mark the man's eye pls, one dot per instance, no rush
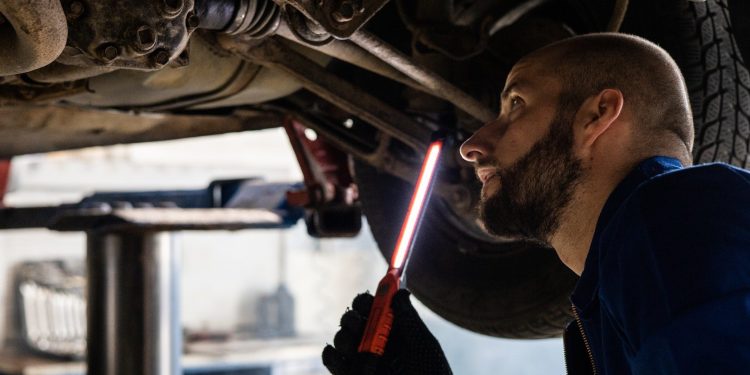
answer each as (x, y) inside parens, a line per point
(515, 102)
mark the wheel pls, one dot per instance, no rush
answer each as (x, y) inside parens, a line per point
(521, 289)
(700, 38)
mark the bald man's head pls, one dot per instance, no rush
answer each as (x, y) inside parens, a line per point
(653, 88)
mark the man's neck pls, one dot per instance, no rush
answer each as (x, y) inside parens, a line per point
(572, 240)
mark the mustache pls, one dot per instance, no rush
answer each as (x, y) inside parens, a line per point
(486, 164)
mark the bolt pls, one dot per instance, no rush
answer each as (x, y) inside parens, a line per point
(145, 38)
(347, 10)
(161, 57)
(358, 7)
(109, 52)
(26, 93)
(75, 10)
(344, 13)
(193, 21)
(173, 6)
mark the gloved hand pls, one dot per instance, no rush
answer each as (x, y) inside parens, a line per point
(411, 348)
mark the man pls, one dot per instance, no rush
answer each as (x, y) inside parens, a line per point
(589, 155)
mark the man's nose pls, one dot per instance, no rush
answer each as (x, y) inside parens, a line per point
(473, 149)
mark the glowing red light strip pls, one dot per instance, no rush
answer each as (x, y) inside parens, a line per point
(415, 207)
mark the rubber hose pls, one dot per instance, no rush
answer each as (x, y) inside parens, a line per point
(33, 35)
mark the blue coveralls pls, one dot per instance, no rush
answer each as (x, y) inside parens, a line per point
(666, 284)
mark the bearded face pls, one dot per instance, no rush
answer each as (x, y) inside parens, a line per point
(536, 189)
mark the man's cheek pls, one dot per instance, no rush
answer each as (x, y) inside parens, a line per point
(512, 148)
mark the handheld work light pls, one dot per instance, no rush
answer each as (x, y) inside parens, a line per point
(381, 315)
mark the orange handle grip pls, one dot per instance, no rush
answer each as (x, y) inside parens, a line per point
(380, 320)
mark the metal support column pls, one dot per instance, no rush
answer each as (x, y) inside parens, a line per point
(132, 258)
(133, 303)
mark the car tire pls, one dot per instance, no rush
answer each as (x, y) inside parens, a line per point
(699, 36)
(521, 289)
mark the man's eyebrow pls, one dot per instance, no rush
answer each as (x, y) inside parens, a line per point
(512, 87)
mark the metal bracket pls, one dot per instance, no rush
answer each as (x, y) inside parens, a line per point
(142, 35)
(330, 196)
(345, 95)
(341, 18)
(230, 204)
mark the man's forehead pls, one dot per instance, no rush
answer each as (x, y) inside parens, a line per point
(529, 73)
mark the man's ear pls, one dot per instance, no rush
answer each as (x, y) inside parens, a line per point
(596, 115)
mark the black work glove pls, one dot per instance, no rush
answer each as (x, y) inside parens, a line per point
(411, 348)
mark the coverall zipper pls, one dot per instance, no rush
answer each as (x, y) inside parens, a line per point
(585, 339)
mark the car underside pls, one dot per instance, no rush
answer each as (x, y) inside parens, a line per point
(374, 79)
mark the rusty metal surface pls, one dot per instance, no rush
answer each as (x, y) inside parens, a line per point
(23, 95)
(438, 85)
(58, 73)
(30, 129)
(130, 34)
(38, 35)
(215, 78)
(353, 54)
(328, 86)
(341, 18)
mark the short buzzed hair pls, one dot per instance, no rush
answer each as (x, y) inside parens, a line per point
(647, 76)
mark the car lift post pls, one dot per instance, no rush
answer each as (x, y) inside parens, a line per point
(133, 320)
(133, 302)
(132, 259)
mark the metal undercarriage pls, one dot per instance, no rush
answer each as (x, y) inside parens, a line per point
(374, 79)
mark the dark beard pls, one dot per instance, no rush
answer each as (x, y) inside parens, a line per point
(536, 189)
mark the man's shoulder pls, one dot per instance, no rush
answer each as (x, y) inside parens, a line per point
(692, 189)
(680, 239)
(705, 201)
(695, 176)
(679, 200)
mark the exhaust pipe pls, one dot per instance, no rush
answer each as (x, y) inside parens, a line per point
(32, 35)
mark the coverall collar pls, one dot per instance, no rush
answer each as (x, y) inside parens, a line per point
(587, 285)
